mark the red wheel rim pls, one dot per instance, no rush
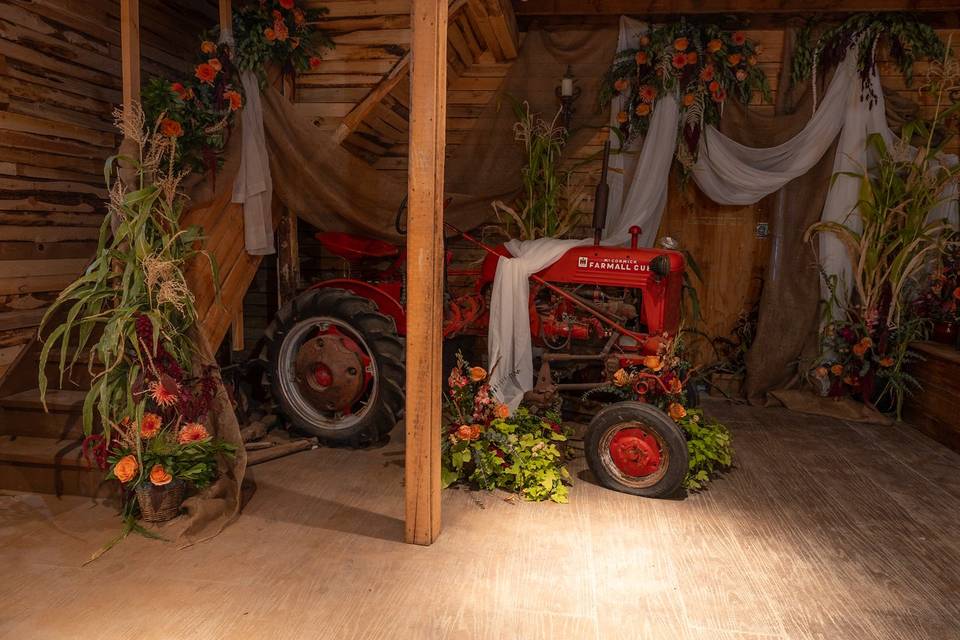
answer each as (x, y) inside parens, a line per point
(635, 452)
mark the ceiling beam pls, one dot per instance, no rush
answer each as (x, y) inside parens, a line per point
(524, 8)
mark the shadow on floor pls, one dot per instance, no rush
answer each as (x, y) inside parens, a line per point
(291, 506)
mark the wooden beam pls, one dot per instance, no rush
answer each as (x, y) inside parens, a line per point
(236, 331)
(428, 88)
(130, 50)
(398, 73)
(674, 7)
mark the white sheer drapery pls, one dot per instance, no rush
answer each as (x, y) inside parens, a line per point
(253, 186)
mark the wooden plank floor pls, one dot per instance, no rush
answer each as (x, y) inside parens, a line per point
(825, 530)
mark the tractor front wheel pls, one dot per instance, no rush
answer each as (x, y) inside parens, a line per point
(336, 367)
(635, 448)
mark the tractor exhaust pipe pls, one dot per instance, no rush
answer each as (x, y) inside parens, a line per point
(600, 197)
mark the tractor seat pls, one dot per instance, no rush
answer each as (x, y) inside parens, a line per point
(353, 247)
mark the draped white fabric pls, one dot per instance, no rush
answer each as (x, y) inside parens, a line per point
(253, 186)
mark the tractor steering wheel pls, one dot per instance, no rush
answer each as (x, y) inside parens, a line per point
(402, 209)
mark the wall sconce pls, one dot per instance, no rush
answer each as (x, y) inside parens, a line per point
(566, 94)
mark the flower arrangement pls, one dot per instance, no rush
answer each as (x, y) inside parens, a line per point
(661, 380)
(132, 311)
(701, 65)
(486, 446)
(940, 299)
(198, 110)
(907, 38)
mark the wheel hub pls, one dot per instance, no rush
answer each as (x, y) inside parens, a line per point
(332, 370)
(635, 452)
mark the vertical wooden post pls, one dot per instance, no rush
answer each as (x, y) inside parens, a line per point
(428, 109)
(130, 51)
(236, 331)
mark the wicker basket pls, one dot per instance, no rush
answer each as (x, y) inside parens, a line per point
(159, 504)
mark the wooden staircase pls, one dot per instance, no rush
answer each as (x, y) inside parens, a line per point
(42, 451)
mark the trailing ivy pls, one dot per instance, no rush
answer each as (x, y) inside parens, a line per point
(908, 39)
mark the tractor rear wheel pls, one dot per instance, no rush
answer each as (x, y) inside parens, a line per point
(336, 367)
(635, 448)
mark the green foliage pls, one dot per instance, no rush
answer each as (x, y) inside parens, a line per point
(192, 461)
(710, 448)
(523, 454)
(549, 205)
(907, 37)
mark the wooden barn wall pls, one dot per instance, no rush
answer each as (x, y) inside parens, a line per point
(59, 82)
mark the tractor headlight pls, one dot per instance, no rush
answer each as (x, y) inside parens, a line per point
(660, 266)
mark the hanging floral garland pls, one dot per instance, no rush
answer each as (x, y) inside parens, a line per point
(908, 40)
(701, 64)
(198, 110)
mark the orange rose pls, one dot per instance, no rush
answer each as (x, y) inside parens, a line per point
(675, 385)
(836, 369)
(234, 98)
(314, 62)
(859, 349)
(150, 426)
(126, 468)
(739, 38)
(734, 59)
(714, 45)
(269, 34)
(867, 342)
(688, 99)
(642, 57)
(215, 63)
(820, 372)
(692, 57)
(622, 117)
(468, 432)
(205, 73)
(477, 374)
(621, 84)
(170, 128)
(887, 362)
(621, 378)
(681, 44)
(159, 476)
(676, 411)
(501, 411)
(643, 109)
(654, 363)
(208, 47)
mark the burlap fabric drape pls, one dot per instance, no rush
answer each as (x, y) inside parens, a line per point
(334, 190)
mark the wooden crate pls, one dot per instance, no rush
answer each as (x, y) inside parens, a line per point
(933, 410)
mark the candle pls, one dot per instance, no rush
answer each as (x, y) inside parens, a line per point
(566, 87)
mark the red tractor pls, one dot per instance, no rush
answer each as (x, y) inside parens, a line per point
(336, 352)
